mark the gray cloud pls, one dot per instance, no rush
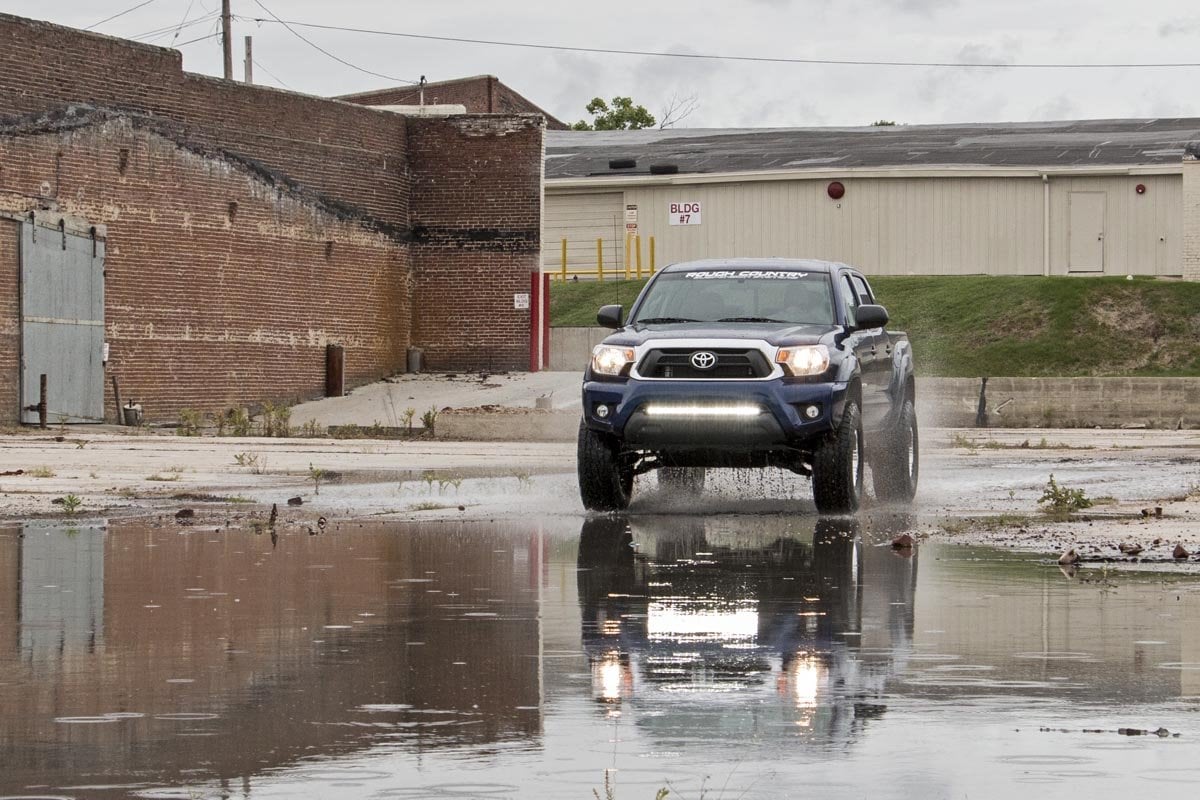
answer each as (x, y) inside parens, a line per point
(1179, 27)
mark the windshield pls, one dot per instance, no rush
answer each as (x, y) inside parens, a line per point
(738, 296)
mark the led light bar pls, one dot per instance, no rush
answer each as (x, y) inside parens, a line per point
(693, 410)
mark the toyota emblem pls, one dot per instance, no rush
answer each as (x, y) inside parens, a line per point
(704, 360)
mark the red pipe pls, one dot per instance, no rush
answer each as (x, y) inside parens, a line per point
(546, 321)
(535, 323)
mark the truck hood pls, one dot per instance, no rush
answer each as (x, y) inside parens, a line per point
(771, 332)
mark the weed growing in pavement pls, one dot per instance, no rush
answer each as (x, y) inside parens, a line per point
(524, 479)
(430, 478)
(276, 420)
(40, 472)
(450, 479)
(408, 415)
(190, 422)
(166, 477)
(315, 474)
(312, 430)
(429, 419)
(245, 459)
(71, 504)
(1062, 501)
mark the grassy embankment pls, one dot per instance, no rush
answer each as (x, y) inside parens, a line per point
(1001, 326)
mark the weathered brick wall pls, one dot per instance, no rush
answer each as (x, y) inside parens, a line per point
(1191, 215)
(476, 218)
(351, 154)
(185, 288)
(211, 304)
(482, 94)
(10, 319)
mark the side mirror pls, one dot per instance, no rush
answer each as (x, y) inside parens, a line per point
(610, 316)
(870, 316)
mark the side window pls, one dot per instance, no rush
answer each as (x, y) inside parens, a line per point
(862, 290)
(849, 300)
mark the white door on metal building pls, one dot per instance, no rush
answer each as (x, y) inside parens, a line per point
(62, 324)
(581, 219)
(1086, 232)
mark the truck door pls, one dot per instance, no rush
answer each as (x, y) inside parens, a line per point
(872, 349)
(864, 346)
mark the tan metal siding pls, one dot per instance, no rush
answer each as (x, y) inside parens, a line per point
(897, 226)
(582, 218)
(1142, 232)
(886, 226)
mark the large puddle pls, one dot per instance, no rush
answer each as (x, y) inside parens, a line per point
(724, 657)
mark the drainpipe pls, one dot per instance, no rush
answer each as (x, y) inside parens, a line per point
(1045, 225)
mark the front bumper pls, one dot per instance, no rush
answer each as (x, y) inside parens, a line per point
(780, 422)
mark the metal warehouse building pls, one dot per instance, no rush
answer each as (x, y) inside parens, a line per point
(1052, 198)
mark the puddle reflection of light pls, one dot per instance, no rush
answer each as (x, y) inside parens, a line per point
(676, 622)
(808, 673)
(611, 677)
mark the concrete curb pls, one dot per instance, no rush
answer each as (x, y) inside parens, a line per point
(507, 424)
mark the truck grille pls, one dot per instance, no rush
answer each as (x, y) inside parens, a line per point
(730, 364)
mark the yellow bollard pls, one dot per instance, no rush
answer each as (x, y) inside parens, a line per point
(628, 242)
(638, 243)
(600, 260)
(652, 256)
(564, 260)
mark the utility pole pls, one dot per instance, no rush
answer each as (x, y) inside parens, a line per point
(227, 38)
(422, 89)
(249, 65)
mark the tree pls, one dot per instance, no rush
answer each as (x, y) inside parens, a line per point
(623, 115)
(883, 123)
(677, 109)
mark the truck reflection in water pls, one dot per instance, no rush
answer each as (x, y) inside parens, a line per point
(802, 630)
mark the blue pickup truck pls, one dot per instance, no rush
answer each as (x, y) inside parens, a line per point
(748, 363)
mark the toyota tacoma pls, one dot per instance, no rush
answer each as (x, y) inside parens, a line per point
(747, 363)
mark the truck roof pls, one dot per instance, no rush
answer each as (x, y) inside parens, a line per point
(774, 264)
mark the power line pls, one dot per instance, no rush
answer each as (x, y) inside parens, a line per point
(753, 59)
(119, 14)
(158, 33)
(193, 41)
(316, 46)
(272, 74)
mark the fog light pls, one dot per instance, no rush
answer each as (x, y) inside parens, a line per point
(812, 412)
(602, 411)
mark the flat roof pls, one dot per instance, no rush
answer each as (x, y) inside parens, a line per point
(1072, 143)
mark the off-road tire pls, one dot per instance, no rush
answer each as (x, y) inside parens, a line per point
(837, 466)
(895, 469)
(681, 480)
(604, 483)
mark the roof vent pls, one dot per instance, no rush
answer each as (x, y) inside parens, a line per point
(664, 169)
(622, 163)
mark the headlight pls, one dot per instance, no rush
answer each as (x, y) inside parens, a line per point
(607, 360)
(810, 359)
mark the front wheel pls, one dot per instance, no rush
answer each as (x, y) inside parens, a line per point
(604, 483)
(895, 470)
(837, 466)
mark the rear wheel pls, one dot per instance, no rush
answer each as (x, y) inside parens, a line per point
(681, 480)
(894, 471)
(604, 483)
(837, 466)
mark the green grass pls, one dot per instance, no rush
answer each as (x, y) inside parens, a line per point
(1005, 326)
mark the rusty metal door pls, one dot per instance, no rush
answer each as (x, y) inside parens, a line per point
(62, 323)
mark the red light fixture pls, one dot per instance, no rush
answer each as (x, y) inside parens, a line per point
(835, 190)
(1140, 188)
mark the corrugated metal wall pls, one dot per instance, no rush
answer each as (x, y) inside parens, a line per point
(581, 219)
(893, 226)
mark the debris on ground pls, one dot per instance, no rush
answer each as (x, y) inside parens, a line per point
(903, 542)
(1069, 558)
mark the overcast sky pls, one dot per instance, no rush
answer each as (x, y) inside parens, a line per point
(729, 93)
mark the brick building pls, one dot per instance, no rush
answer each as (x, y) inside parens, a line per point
(480, 94)
(213, 237)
